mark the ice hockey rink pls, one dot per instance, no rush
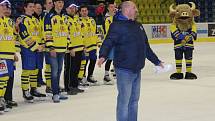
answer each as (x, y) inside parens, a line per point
(161, 98)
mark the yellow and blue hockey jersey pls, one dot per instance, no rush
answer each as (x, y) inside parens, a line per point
(108, 21)
(77, 43)
(7, 38)
(56, 32)
(183, 39)
(30, 32)
(88, 28)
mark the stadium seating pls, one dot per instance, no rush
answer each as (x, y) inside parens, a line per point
(155, 11)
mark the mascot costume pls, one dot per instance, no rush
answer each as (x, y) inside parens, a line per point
(184, 32)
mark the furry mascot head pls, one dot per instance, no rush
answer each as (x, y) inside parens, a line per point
(183, 32)
(183, 15)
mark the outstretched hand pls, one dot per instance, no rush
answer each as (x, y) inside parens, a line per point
(100, 62)
(161, 64)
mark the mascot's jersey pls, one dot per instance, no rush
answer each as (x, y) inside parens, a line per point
(30, 32)
(7, 38)
(183, 39)
(56, 32)
(88, 28)
(77, 43)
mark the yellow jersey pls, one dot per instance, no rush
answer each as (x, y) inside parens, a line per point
(7, 38)
(30, 32)
(56, 32)
(77, 43)
(88, 28)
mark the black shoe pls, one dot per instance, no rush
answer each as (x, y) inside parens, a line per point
(27, 96)
(12, 103)
(34, 92)
(39, 84)
(7, 108)
(72, 92)
(2, 105)
(177, 76)
(113, 72)
(83, 82)
(48, 90)
(1, 109)
(190, 75)
(91, 79)
(107, 78)
(79, 90)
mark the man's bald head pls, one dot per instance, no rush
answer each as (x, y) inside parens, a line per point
(129, 9)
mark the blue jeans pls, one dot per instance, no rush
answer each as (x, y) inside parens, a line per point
(128, 85)
(40, 59)
(56, 68)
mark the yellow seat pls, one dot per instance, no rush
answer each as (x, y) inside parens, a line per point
(152, 6)
(139, 19)
(151, 19)
(147, 6)
(168, 19)
(145, 20)
(162, 19)
(148, 12)
(143, 13)
(157, 19)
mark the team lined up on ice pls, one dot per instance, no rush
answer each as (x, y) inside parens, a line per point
(55, 37)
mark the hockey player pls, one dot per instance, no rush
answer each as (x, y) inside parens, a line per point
(73, 62)
(40, 55)
(9, 90)
(30, 37)
(108, 20)
(57, 39)
(91, 41)
(7, 52)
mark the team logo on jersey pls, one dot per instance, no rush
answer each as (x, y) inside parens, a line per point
(36, 29)
(36, 21)
(54, 21)
(33, 22)
(6, 31)
(82, 25)
(62, 28)
(75, 23)
(77, 29)
(88, 24)
(61, 22)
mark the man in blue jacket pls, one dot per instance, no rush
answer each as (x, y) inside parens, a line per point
(131, 45)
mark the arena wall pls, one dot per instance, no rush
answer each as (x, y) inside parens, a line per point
(160, 33)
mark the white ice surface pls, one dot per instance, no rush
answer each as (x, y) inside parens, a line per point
(161, 99)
